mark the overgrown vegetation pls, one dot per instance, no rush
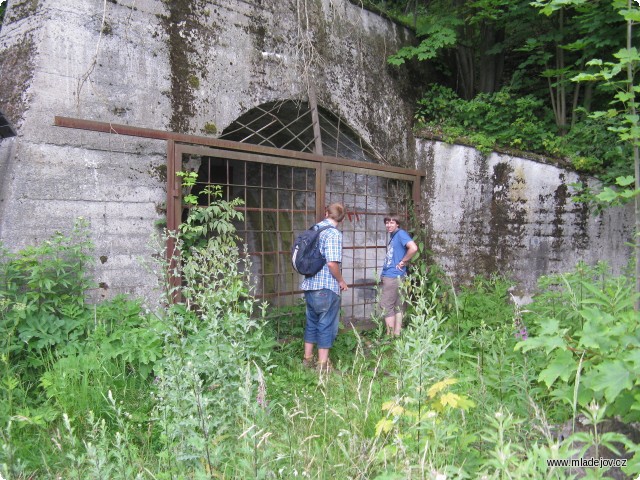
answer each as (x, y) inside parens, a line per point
(522, 123)
(556, 77)
(210, 388)
(526, 76)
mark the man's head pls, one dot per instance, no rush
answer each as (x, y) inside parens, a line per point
(335, 211)
(392, 217)
(392, 223)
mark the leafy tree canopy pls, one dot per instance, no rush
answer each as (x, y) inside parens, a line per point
(506, 74)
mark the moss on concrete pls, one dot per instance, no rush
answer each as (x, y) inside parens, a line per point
(22, 10)
(190, 35)
(16, 73)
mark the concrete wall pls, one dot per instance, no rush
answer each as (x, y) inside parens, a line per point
(176, 66)
(500, 213)
(184, 65)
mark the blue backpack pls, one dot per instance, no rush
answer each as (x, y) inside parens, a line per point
(305, 253)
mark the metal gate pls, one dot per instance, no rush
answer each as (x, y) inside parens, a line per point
(285, 195)
(285, 192)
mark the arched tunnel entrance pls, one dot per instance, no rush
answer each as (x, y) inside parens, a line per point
(285, 186)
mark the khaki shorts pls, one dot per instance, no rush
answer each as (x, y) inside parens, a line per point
(391, 301)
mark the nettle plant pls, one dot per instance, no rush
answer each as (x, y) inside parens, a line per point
(586, 325)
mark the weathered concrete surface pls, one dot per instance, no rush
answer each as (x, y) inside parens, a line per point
(512, 216)
(182, 65)
(170, 65)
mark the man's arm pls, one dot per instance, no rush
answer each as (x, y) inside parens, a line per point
(412, 248)
(334, 268)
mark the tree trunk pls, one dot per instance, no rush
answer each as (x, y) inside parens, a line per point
(490, 65)
(465, 72)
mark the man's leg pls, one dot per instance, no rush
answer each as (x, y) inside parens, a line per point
(391, 324)
(308, 350)
(398, 324)
(328, 309)
(310, 330)
(388, 301)
(323, 355)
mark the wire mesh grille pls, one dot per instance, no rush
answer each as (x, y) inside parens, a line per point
(281, 200)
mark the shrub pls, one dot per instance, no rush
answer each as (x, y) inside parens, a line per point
(586, 325)
(42, 296)
(501, 119)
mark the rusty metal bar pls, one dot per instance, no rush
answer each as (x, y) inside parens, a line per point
(128, 130)
(315, 120)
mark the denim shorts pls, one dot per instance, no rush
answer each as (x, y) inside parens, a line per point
(323, 312)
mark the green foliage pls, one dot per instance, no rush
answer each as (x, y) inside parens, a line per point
(494, 53)
(483, 330)
(435, 35)
(586, 325)
(216, 347)
(215, 219)
(597, 200)
(488, 121)
(594, 148)
(60, 354)
(201, 390)
(485, 301)
(42, 291)
(422, 344)
(622, 114)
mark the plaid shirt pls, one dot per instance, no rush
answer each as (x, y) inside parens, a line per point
(331, 250)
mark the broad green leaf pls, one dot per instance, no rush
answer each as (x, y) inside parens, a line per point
(592, 336)
(632, 358)
(610, 377)
(562, 365)
(607, 195)
(549, 327)
(631, 119)
(450, 399)
(440, 386)
(596, 62)
(629, 193)
(549, 344)
(383, 426)
(586, 77)
(631, 15)
(625, 181)
(627, 55)
(624, 96)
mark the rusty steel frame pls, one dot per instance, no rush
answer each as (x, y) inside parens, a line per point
(178, 144)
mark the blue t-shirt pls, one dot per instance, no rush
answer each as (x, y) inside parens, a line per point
(396, 249)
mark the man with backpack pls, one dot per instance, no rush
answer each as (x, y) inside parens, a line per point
(322, 292)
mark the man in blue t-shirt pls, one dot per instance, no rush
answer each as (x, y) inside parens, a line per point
(400, 249)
